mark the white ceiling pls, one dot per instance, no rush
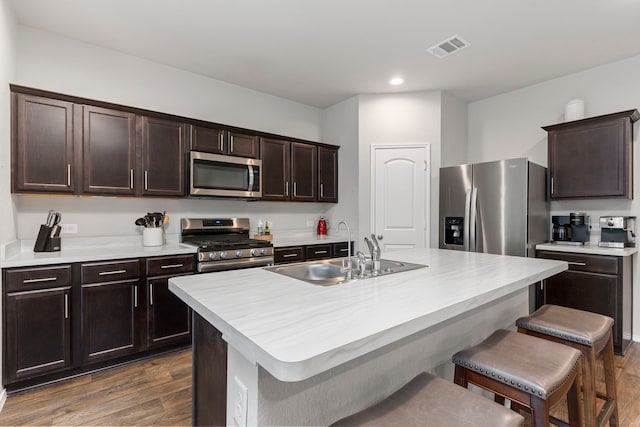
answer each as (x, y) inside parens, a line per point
(324, 51)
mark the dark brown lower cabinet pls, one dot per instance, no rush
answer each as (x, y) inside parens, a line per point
(597, 283)
(37, 332)
(109, 312)
(209, 374)
(168, 318)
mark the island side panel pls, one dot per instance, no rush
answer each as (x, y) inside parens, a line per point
(209, 374)
(355, 385)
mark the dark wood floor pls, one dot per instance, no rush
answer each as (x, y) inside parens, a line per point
(158, 392)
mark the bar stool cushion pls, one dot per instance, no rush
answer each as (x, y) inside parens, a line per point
(582, 327)
(533, 365)
(431, 401)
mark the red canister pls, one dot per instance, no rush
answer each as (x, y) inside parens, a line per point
(322, 227)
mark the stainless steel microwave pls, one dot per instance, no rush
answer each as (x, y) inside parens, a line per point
(224, 176)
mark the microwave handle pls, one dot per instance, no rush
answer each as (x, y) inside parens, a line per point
(250, 178)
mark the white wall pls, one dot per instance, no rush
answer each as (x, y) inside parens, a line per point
(397, 119)
(454, 131)
(509, 125)
(59, 64)
(340, 127)
(7, 74)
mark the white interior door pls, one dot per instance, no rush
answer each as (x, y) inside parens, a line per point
(400, 195)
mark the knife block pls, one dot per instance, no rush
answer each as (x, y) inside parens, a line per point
(44, 241)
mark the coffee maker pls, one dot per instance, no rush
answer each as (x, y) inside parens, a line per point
(572, 229)
(617, 231)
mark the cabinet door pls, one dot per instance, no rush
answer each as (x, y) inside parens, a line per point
(276, 169)
(38, 328)
(327, 175)
(108, 148)
(317, 252)
(42, 145)
(304, 172)
(163, 161)
(168, 318)
(109, 320)
(243, 145)
(288, 254)
(591, 160)
(208, 140)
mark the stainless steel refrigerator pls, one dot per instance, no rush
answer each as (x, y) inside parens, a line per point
(496, 207)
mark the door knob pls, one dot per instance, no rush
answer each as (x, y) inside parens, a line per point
(379, 236)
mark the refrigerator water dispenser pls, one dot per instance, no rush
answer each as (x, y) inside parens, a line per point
(453, 230)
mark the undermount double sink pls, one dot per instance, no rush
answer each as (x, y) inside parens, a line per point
(331, 271)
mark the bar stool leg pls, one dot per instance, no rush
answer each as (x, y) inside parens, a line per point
(589, 386)
(610, 379)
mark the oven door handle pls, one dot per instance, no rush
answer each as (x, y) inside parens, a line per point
(250, 178)
(232, 264)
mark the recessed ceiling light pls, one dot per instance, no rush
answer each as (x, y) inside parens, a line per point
(396, 81)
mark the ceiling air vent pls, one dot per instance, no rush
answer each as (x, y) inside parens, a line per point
(447, 47)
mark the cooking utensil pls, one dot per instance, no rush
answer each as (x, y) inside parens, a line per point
(141, 222)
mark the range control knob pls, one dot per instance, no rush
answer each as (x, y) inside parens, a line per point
(263, 251)
(212, 255)
(254, 252)
(238, 253)
(223, 254)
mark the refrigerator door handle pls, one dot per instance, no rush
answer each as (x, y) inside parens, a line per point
(473, 211)
(467, 217)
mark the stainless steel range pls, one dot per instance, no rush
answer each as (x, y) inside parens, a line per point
(224, 244)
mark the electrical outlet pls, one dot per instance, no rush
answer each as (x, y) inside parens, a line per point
(239, 394)
(69, 228)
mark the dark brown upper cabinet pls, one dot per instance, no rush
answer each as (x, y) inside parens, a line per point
(327, 174)
(108, 151)
(218, 141)
(592, 158)
(164, 143)
(289, 170)
(42, 145)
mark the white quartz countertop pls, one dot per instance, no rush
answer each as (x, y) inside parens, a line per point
(99, 249)
(296, 330)
(589, 248)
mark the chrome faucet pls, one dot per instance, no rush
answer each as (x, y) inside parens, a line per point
(362, 265)
(374, 248)
(347, 269)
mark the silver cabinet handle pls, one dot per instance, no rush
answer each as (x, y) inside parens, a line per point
(286, 188)
(135, 296)
(319, 252)
(230, 143)
(150, 293)
(552, 186)
(344, 250)
(576, 263)
(172, 266)
(220, 140)
(321, 190)
(68, 174)
(107, 273)
(44, 279)
(295, 189)
(289, 255)
(66, 306)
(146, 180)
(131, 178)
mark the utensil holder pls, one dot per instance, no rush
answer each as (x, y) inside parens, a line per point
(44, 241)
(153, 236)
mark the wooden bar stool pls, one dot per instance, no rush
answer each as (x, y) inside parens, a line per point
(430, 401)
(591, 333)
(529, 371)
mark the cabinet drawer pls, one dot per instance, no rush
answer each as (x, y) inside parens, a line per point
(160, 266)
(341, 249)
(37, 278)
(110, 271)
(318, 251)
(581, 262)
(288, 254)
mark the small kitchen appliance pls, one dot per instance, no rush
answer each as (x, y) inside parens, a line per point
(572, 229)
(322, 227)
(617, 231)
(224, 244)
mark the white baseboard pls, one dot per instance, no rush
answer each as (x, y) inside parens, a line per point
(3, 398)
(635, 338)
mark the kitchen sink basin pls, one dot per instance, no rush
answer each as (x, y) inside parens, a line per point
(331, 272)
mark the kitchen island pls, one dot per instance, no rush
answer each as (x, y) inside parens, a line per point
(310, 355)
